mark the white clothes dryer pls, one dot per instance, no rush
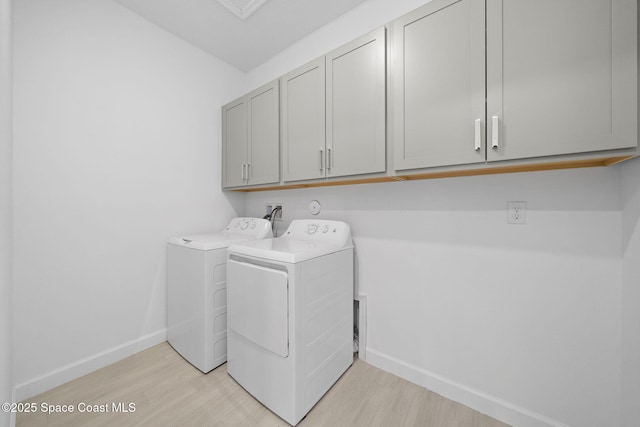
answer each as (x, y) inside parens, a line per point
(197, 290)
(290, 315)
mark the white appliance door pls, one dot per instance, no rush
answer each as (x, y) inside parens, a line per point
(257, 305)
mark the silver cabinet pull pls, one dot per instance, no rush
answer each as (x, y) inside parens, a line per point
(248, 171)
(322, 159)
(243, 165)
(495, 129)
(478, 134)
(329, 158)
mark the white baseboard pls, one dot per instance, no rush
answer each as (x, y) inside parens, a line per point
(481, 402)
(84, 366)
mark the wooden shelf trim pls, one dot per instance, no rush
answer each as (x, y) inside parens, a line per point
(570, 164)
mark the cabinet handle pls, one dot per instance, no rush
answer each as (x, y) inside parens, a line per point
(321, 159)
(495, 128)
(243, 165)
(478, 134)
(248, 171)
(329, 158)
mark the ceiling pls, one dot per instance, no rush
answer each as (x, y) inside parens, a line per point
(244, 44)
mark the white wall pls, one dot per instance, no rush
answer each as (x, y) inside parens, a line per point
(631, 293)
(6, 325)
(117, 147)
(520, 322)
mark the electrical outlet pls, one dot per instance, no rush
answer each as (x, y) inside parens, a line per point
(271, 207)
(517, 213)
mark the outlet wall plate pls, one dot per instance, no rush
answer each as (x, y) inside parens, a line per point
(516, 212)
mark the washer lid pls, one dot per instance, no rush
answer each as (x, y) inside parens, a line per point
(303, 240)
(207, 242)
(238, 230)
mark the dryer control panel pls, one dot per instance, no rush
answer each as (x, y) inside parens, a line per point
(334, 232)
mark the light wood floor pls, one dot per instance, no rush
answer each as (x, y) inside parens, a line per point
(168, 391)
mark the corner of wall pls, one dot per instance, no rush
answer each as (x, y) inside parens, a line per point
(84, 366)
(6, 207)
(630, 304)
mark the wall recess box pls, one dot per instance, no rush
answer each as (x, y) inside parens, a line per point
(271, 206)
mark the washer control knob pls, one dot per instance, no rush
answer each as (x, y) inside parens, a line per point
(325, 228)
(244, 225)
(312, 228)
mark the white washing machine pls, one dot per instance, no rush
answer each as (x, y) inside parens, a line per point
(197, 290)
(290, 315)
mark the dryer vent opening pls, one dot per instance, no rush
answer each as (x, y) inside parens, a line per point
(356, 332)
(360, 327)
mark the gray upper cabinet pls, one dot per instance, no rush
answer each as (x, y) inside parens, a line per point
(561, 77)
(333, 118)
(439, 85)
(303, 122)
(356, 99)
(264, 134)
(474, 85)
(303, 115)
(234, 143)
(250, 138)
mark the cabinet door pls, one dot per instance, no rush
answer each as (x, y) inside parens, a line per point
(438, 72)
(234, 143)
(264, 136)
(355, 133)
(303, 122)
(561, 76)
